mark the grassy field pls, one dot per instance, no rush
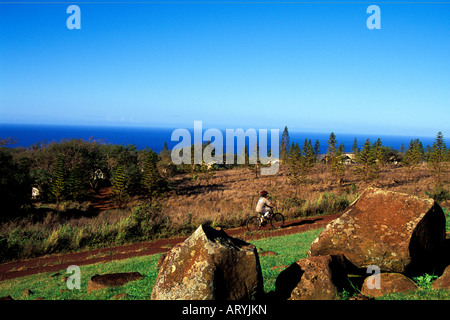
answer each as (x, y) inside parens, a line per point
(225, 198)
(52, 286)
(288, 249)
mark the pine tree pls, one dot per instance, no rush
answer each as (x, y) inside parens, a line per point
(119, 191)
(438, 156)
(337, 167)
(317, 149)
(331, 150)
(296, 163)
(151, 179)
(254, 160)
(75, 184)
(165, 153)
(58, 184)
(309, 153)
(245, 155)
(355, 147)
(412, 156)
(284, 145)
(378, 151)
(368, 168)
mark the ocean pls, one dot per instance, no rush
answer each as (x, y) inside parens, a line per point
(28, 134)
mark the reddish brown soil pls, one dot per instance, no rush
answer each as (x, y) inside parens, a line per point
(58, 262)
(102, 200)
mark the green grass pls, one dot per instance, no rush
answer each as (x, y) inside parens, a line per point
(424, 291)
(447, 220)
(289, 249)
(53, 287)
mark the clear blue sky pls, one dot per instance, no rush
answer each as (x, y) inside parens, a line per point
(312, 67)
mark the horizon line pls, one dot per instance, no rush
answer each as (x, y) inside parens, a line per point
(221, 128)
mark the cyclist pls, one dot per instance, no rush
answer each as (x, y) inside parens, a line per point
(264, 206)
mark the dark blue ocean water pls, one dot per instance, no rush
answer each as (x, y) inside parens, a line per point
(154, 138)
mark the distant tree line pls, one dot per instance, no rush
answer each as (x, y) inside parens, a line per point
(69, 169)
(366, 161)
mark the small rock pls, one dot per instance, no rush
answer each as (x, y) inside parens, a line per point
(389, 283)
(27, 292)
(443, 282)
(98, 282)
(120, 296)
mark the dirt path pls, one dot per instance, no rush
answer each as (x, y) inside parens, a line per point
(102, 201)
(58, 262)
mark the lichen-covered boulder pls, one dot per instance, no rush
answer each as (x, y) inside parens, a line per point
(209, 265)
(313, 278)
(394, 231)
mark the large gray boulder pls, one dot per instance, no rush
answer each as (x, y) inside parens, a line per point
(209, 265)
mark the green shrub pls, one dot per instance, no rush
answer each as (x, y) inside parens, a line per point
(439, 193)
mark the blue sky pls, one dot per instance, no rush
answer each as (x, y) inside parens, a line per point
(314, 67)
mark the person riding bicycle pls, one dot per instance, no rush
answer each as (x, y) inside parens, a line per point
(264, 206)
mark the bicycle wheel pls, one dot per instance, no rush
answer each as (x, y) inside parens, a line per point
(277, 220)
(253, 223)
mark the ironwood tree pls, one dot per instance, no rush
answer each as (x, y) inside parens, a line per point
(367, 168)
(378, 151)
(337, 166)
(355, 148)
(317, 149)
(58, 183)
(296, 165)
(151, 179)
(438, 156)
(75, 184)
(119, 187)
(331, 149)
(284, 145)
(413, 155)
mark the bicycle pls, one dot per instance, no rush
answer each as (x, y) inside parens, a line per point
(254, 223)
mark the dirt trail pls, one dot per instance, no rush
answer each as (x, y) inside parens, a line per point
(58, 262)
(102, 201)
